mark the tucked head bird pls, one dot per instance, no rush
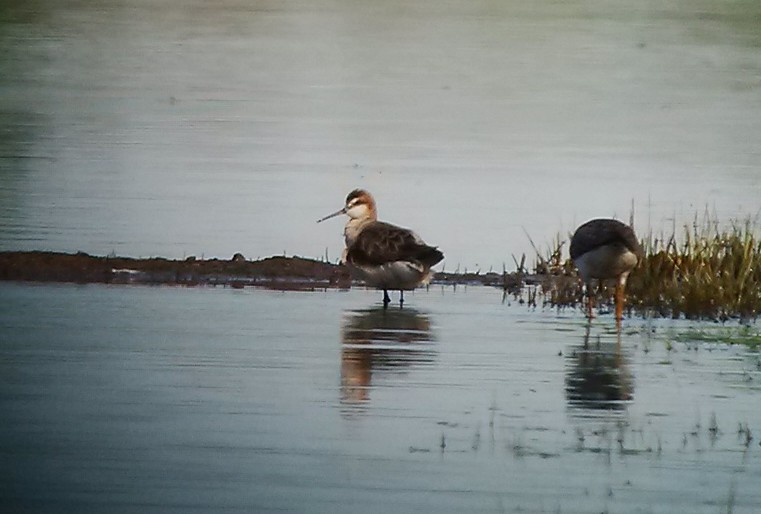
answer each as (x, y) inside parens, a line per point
(383, 255)
(605, 249)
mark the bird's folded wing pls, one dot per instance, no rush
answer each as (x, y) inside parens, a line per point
(381, 242)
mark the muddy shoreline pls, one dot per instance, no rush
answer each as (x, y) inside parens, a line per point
(278, 272)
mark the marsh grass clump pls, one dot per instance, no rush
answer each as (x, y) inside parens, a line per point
(711, 273)
(702, 272)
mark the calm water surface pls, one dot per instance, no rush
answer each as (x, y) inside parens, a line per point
(182, 127)
(141, 399)
(187, 127)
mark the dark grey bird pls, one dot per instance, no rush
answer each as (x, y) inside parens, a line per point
(605, 249)
(381, 254)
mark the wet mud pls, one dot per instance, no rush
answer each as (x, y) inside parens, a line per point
(279, 272)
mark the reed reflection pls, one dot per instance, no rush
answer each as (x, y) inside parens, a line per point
(380, 341)
(598, 374)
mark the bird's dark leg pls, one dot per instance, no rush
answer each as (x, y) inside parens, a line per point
(401, 298)
(386, 299)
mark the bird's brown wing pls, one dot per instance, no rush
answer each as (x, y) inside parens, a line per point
(381, 242)
(600, 232)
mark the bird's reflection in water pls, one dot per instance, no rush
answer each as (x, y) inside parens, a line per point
(598, 375)
(381, 340)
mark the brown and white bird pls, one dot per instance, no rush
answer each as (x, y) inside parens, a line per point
(383, 255)
(605, 249)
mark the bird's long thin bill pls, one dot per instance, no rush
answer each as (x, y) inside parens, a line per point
(342, 211)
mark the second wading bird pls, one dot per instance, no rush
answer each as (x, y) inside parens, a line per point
(605, 249)
(384, 256)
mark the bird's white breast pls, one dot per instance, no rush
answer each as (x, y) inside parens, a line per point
(605, 262)
(393, 275)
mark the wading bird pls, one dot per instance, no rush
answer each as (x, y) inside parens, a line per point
(384, 256)
(605, 249)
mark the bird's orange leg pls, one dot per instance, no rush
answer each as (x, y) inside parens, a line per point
(620, 301)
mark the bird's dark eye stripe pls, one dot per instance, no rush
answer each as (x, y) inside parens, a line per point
(353, 196)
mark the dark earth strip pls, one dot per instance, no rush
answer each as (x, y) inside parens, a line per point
(277, 272)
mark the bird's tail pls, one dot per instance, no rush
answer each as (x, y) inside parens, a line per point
(430, 255)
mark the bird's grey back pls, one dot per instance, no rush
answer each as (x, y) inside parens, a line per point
(600, 232)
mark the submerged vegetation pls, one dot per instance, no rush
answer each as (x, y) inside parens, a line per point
(704, 271)
(745, 335)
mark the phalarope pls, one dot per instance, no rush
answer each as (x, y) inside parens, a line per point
(383, 255)
(605, 249)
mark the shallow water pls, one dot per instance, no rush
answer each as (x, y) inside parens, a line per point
(187, 128)
(164, 399)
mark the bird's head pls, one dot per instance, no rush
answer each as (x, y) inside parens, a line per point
(359, 205)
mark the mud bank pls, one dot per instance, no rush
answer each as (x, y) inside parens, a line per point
(278, 272)
(275, 272)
